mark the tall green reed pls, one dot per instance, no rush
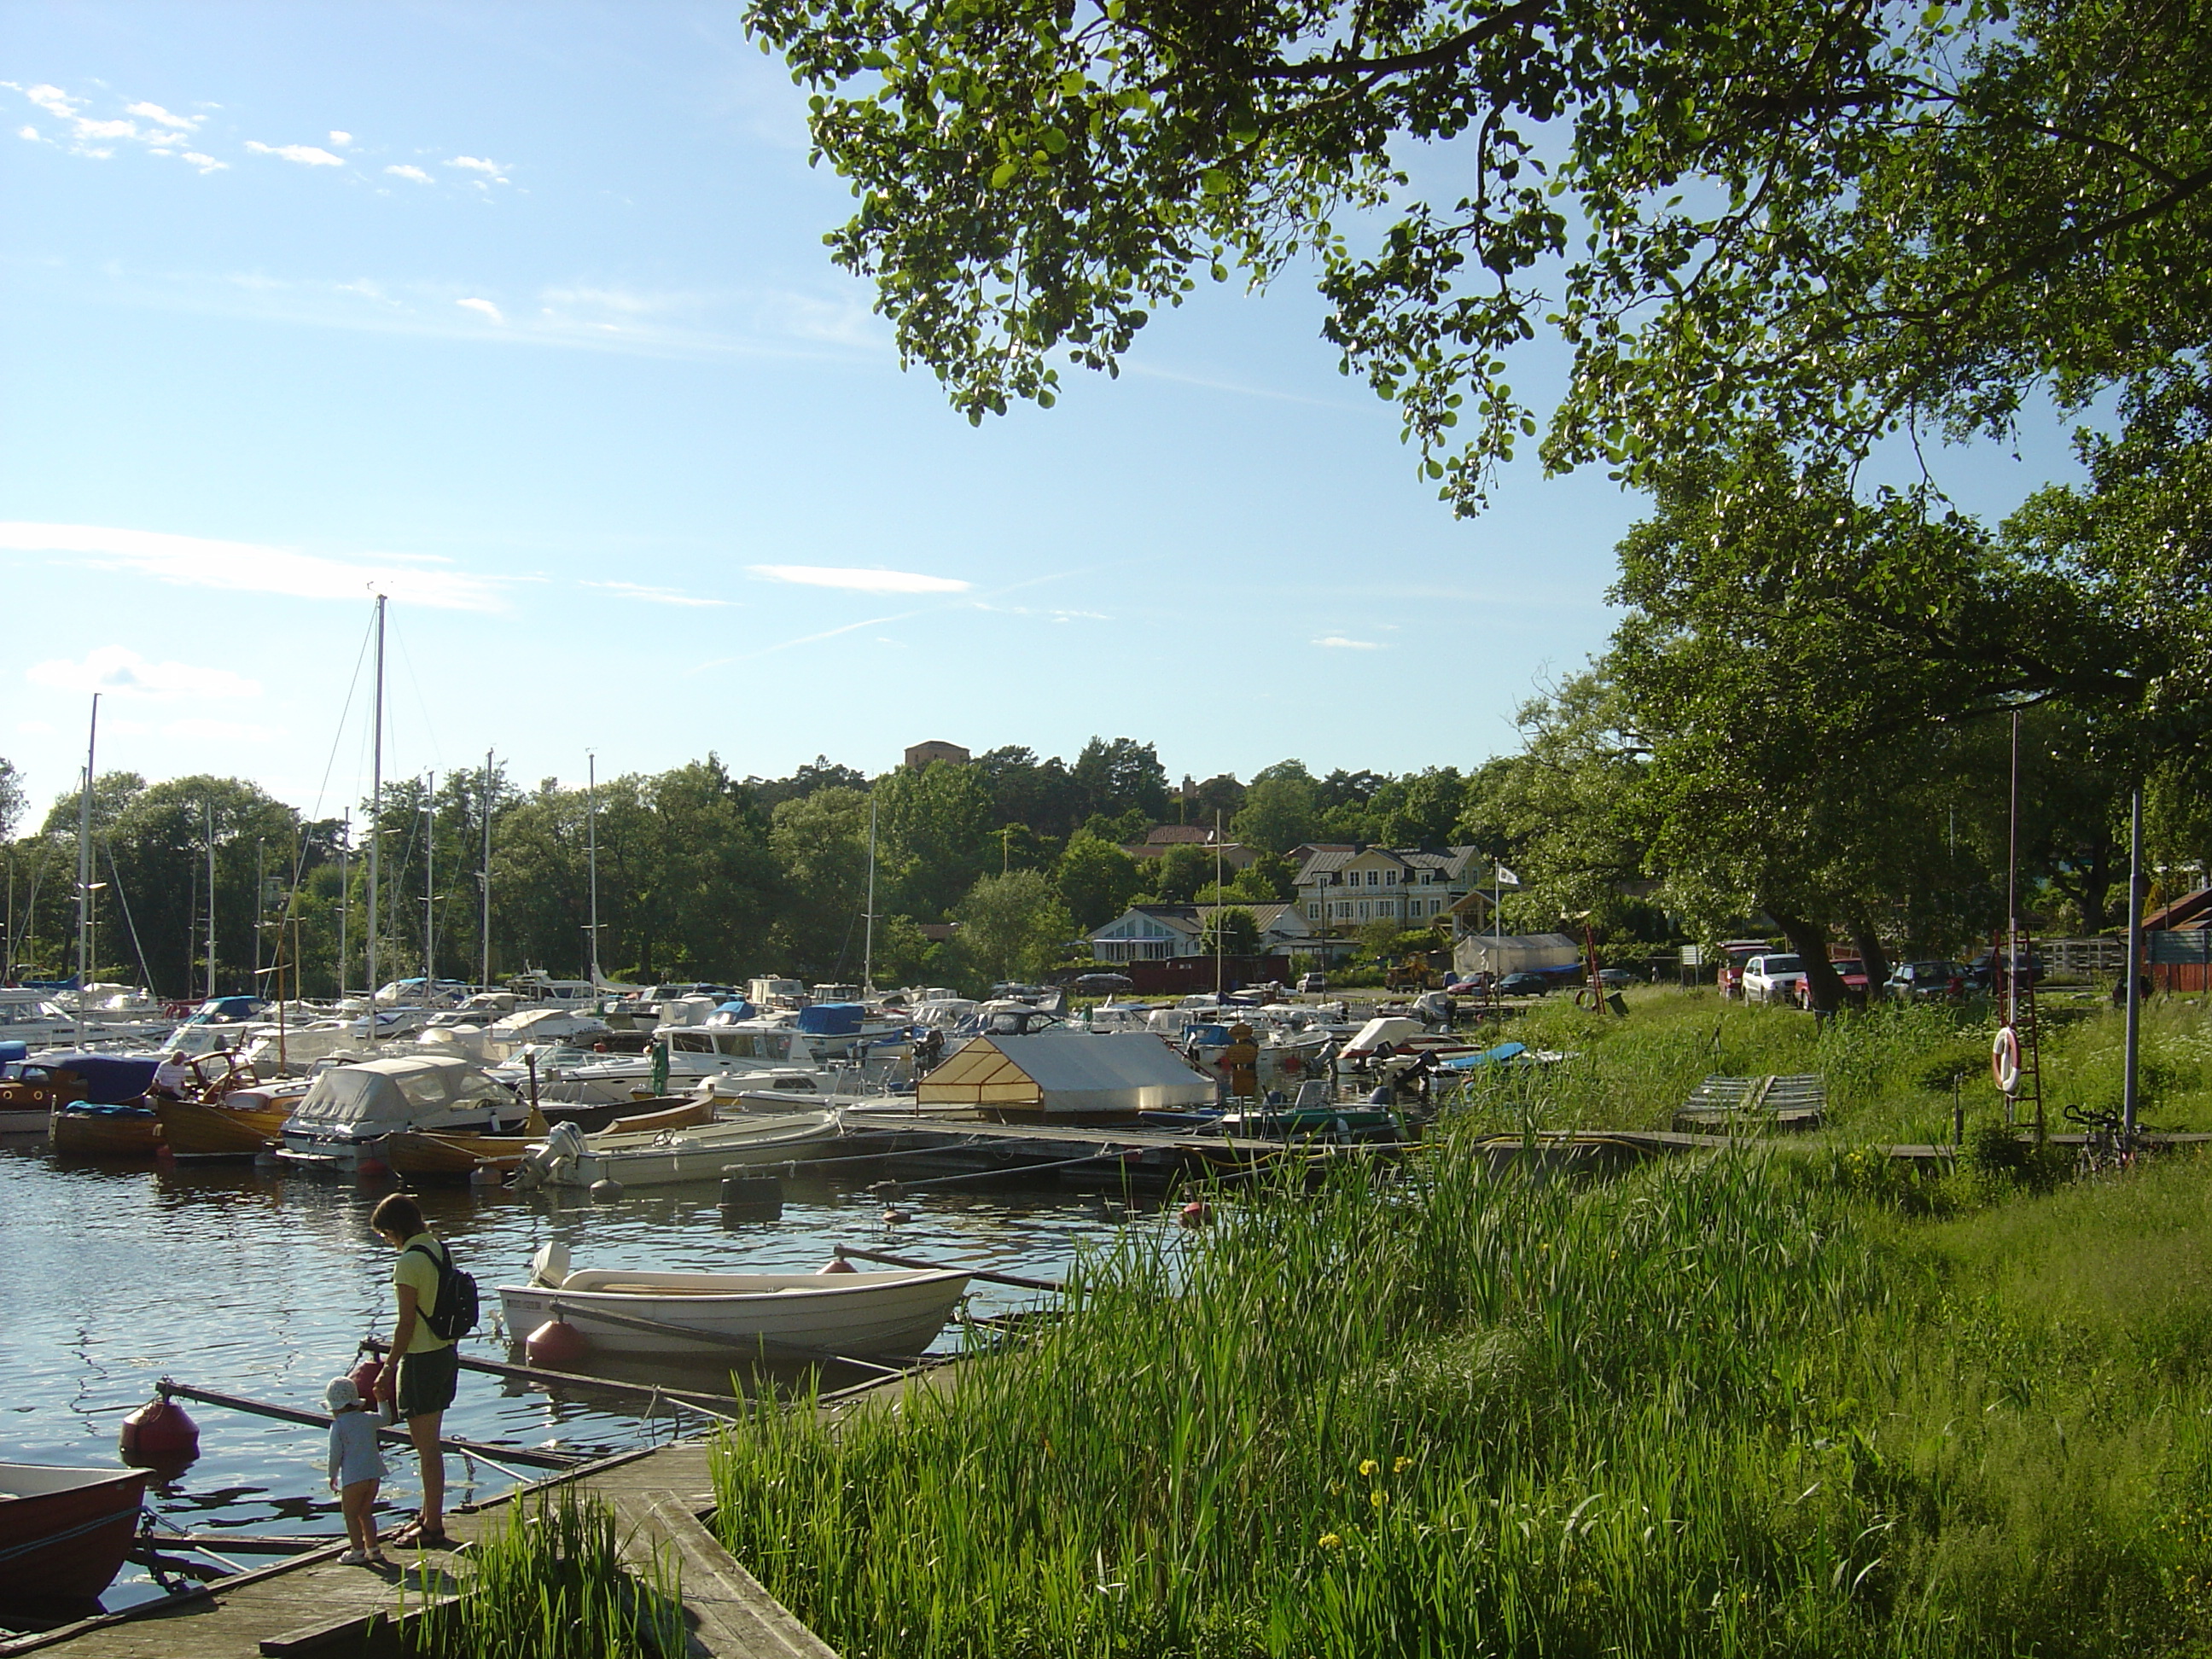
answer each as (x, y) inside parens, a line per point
(552, 1583)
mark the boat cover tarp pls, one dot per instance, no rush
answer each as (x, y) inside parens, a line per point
(391, 1093)
(1515, 953)
(1068, 1074)
(832, 1019)
(13, 1050)
(108, 1079)
(1393, 1029)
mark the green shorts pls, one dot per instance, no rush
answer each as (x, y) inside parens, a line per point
(427, 1380)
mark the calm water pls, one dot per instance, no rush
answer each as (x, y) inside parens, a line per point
(261, 1283)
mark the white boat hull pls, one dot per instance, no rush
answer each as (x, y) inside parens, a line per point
(862, 1315)
(672, 1156)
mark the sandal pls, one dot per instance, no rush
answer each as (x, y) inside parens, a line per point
(414, 1536)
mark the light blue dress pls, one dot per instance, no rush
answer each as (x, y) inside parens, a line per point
(354, 1454)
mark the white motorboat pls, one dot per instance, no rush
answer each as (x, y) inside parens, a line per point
(351, 1109)
(862, 1314)
(569, 1158)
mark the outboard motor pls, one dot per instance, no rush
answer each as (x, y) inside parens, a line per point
(541, 1163)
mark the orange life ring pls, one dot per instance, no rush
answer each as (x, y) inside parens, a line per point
(2004, 1059)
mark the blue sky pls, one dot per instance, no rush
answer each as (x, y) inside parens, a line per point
(522, 313)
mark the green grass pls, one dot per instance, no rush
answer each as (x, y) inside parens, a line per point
(551, 1584)
(1748, 1404)
(1889, 1069)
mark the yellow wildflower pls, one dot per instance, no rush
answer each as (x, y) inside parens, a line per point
(1329, 1540)
(1367, 1466)
(1375, 1498)
(1399, 1466)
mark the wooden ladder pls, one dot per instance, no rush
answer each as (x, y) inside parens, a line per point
(2027, 1029)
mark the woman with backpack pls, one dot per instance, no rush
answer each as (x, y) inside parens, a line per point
(427, 1364)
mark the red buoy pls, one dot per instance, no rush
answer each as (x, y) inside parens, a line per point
(556, 1344)
(366, 1377)
(836, 1264)
(159, 1432)
(1193, 1214)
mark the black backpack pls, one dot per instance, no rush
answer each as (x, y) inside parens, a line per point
(454, 1315)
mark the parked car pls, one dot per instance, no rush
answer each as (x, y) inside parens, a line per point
(1099, 985)
(1978, 971)
(1772, 978)
(1524, 985)
(1310, 983)
(1616, 978)
(1851, 971)
(1923, 981)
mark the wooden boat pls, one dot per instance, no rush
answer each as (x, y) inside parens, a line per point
(26, 1103)
(64, 1532)
(423, 1155)
(862, 1315)
(567, 1158)
(82, 1130)
(237, 1126)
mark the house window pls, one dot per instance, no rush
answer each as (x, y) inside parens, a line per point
(1389, 878)
(1373, 878)
(1363, 909)
(1313, 913)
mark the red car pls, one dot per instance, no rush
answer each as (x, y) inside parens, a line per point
(1851, 971)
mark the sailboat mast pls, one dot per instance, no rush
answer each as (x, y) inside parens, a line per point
(483, 929)
(210, 939)
(375, 813)
(84, 870)
(345, 897)
(868, 934)
(592, 851)
(1219, 912)
(430, 866)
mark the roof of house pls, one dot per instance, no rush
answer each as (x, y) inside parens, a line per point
(1452, 861)
(1160, 834)
(2190, 910)
(1193, 918)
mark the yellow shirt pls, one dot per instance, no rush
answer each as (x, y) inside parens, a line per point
(419, 1270)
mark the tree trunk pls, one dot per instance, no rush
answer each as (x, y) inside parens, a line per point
(1823, 987)
(1872, 957)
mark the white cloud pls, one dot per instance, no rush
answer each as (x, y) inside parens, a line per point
(119, 670)
(1338, 642)
(658, 595)
(245, 567)
(206, 163)
(341, 139)
(155, 113)
(492, 170)
(415, 173)
(484, 306)
(307, 155)
(860, 582)
(29, 132)
(53, 100)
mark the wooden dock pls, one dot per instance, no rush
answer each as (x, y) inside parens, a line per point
(311, 1605)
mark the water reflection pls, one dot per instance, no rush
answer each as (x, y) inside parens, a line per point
(262, 1283)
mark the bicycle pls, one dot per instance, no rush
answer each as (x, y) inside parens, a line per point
(2106, 1141)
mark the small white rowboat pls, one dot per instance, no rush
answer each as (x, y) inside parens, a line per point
(861, 1315)
(568, 1158)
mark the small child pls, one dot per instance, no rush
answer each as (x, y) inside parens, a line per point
(356, 1466)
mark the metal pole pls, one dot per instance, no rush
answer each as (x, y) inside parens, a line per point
(429, 870)
(592, 851)
(345, 897)
(1217, 912)
(868, 934)
(483, 926)
(2127, 1095)
(260, 907)
(210, 937)
(84, 868)
(375, 815)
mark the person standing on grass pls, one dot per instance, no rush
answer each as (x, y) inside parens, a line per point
(356, 1468)
(428, 1366)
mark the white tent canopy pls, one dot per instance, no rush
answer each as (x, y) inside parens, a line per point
(1067, 1075)
(1514, 953)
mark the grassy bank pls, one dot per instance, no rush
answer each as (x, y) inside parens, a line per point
(1746, 1406)
(1890, 1069)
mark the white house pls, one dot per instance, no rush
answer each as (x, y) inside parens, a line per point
(1342, 890)
(1161, 933)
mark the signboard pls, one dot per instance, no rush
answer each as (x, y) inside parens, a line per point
(1694, 955)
